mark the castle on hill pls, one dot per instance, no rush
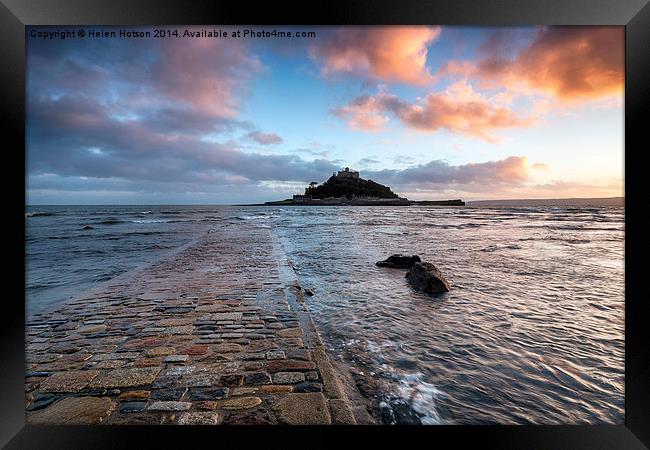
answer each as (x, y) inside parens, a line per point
(346, 187)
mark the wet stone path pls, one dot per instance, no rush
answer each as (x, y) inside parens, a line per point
(217, 333)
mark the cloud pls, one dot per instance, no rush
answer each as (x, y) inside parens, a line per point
(572, 64)
(513, 170)
(602, 187)
(368, 161)
(403, 159)
(206, 74)
(158, 116)
(459, 110)
(264, 138)
(313, 152)
(365, 113)
(62, 131)
(511, 177)
(147, 116)
(392, 54)
(175, 85)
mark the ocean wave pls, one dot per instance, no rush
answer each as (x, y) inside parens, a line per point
(261, 216)
(421, 396)
(413, 400)
(40, 286)
(583, 228)
(532, 273)
(568, 240)
(110, 221)
(160, 247)
(152, 221)
(493, 248)
(38, 214)
(459, 226)
(521, 209)
(374, 223)
(141, 233)
(210, 219)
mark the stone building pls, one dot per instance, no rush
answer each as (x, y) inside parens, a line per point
(347, 173)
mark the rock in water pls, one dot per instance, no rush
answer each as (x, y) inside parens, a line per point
(87, 227)
(399, 261)
(426, 277)
(310, 291)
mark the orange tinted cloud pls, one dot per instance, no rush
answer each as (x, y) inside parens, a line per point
(365, 113)
(459, 110)
(396, 53)
(570, 63)
(589, 189)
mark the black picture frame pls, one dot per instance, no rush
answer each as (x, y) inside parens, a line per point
(15, 15)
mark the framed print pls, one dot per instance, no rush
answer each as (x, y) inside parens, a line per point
(378, 218)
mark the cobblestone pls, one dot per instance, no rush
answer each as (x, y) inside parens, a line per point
(75, 410)
(241, 403)
(169, 406)
(72, 381)
(140, 376)
(288, 377)
(199, 418)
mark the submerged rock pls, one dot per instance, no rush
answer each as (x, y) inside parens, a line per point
(399, 261)
(426, 277)
(87, 227)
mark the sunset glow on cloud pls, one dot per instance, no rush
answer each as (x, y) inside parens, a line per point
(214, 121)
(459, 110)
(570, 63)
(380, 53)
(203, 74)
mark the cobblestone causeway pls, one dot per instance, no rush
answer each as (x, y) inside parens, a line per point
(216, 333)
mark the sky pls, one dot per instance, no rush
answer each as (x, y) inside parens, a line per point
(433, 112)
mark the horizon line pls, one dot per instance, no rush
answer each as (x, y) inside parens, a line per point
(259, 204)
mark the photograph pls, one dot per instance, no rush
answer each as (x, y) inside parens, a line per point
(315, 225)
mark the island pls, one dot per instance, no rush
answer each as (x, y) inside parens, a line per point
(347, 188)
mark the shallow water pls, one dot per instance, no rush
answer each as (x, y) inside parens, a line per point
(532, 331)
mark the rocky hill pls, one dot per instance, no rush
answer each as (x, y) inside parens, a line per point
(337, 186)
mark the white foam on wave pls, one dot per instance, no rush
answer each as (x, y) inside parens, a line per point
(38, 214)
(421, 396)
(150, 221)
(411, 388)
(263, 216)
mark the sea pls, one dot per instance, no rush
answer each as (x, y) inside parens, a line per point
(532, 331)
